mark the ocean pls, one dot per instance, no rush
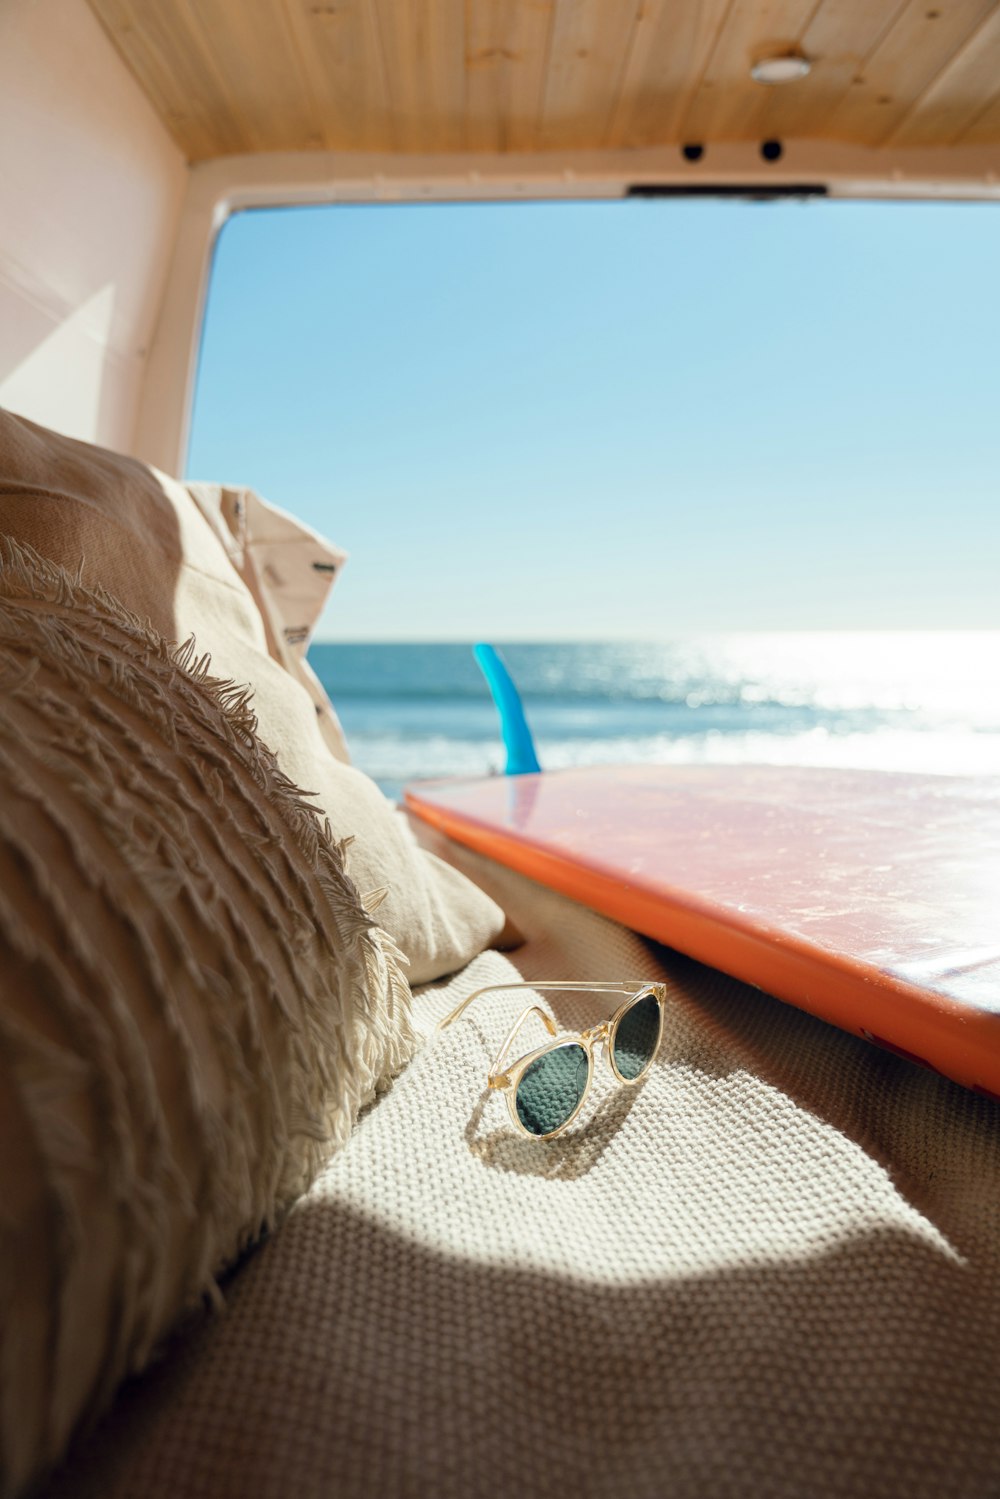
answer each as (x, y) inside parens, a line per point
(888, 701)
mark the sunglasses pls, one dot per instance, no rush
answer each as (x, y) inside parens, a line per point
(546, 1088)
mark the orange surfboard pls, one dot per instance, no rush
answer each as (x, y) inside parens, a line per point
(870, 899)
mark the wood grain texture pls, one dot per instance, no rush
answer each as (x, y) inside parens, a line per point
(588, 51)
(254, 53)
(960, 94)
(524, 75)
(839, 39)
(424, 44)
(918, 46)
(177, 75)
(984, 129)
(728, 104)
(340, 53)
(671, 46)
(507, 50)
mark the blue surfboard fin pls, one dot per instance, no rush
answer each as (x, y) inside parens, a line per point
(521, 757)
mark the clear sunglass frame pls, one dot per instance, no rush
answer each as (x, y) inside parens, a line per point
(506, 1078)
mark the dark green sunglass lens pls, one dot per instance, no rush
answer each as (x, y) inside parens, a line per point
(551, 1088)
(637, 1037)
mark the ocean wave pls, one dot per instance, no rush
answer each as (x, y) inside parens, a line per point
(888, 702)
(940, 672)
(395, 761)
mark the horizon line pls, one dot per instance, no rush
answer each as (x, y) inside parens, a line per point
(471, 640)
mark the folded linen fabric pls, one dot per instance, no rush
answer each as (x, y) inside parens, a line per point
(141, 535)
(290, 571)
(194, 1003)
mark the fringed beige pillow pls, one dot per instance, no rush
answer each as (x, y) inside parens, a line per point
(194, 1003)
(141, 535)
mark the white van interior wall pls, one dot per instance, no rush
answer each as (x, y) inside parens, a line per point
(90, 194)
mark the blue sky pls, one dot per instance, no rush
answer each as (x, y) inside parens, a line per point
(631, 419)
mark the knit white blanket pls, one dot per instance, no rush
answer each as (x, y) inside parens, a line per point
(772, 1269)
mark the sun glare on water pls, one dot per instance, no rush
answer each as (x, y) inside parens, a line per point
(926, 702)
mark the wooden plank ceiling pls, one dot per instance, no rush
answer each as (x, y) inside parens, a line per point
(535, 75)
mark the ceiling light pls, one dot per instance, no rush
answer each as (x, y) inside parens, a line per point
(780, 69)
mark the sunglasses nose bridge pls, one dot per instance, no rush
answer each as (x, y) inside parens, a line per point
(596, 1035)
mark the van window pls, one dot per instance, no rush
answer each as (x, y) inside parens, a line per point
(653, 447)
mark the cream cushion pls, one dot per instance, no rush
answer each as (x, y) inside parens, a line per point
(194, 1004)
(141, 536)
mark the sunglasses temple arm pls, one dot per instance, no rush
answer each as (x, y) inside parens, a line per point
(611, 986)
(547, 1021)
